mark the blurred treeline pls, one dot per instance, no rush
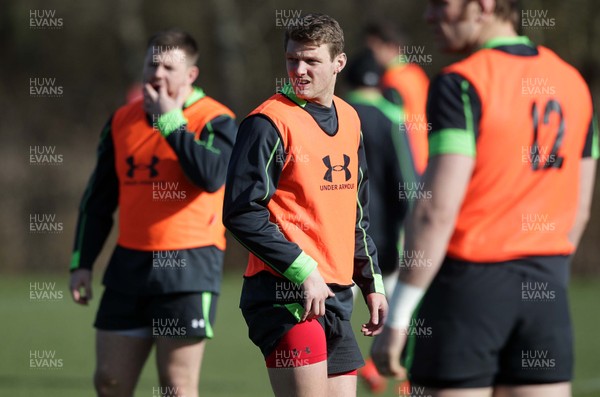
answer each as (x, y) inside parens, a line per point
(97, 54)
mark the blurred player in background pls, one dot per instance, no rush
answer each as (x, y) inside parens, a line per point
(388, 154)
(403, 83)
(512, 159)
(162, 160)
(297, 198)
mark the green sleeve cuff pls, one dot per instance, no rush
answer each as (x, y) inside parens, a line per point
(300, 268)
(171, 121)
(378, 281)
(452, 141)
(75, 260)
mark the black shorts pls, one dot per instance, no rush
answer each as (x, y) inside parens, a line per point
(273, 305)
(181, 315)
(505, 323)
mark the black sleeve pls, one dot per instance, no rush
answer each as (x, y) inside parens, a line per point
(400, 171)
(591, 141)
(454, 112)
(204, 161)
(367, 274)
(446, 105)
(254, 170)
(99, 202)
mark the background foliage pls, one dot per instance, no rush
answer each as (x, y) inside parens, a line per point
(97, 55)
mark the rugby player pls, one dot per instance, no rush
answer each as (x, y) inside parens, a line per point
(512, 159)
(297, 198)
(403, 82)
(387, 151)
(162, 161)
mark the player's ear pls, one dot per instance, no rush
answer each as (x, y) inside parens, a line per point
(340, 62)
(193, 73)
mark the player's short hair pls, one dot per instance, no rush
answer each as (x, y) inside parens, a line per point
(386, 31)
(317, 29)
(508, 10)
(175, 39)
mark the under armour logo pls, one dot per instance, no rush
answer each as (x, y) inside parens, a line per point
(151, 167)
(328, 175)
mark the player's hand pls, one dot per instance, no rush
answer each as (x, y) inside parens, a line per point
(159, 102)
(386, 350)
(81, 278)
(378, 309)
(315, 293)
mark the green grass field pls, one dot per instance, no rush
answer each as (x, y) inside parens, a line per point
(233, 366)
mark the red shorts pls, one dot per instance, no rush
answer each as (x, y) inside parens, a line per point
(302, 345)
(286, 343)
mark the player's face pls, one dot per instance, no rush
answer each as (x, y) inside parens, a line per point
(456, 23)
(312, 72)
(170, 69)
